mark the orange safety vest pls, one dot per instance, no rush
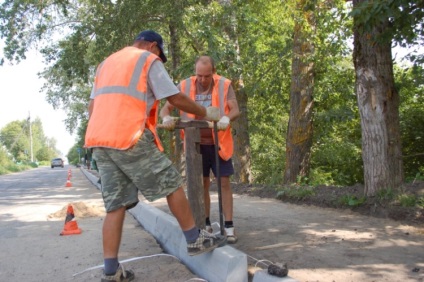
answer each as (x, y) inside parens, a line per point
(119, 115)
(219, 99)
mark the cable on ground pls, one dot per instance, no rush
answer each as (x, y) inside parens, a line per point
(275, 269)
(124, 261)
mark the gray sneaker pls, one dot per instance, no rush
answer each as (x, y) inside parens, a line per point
(205, 243)
(121, 275)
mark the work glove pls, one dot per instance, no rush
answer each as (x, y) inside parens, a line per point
(168, 122)
(212, 113)
(223, 123)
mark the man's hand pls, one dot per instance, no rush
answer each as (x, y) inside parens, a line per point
(212, 113)
(168, 123)
(223, 123)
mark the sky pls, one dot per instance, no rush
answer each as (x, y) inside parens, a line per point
(21, 96)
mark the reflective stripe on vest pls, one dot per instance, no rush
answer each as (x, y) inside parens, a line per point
(120, 115)
(219, 99)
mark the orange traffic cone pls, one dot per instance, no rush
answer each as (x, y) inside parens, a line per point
(71, 226)
(69, 173)
(68, 183)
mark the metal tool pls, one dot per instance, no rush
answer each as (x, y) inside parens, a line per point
(218, 178)
(181, 124)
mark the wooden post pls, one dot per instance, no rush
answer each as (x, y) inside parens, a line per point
(194, 175)
(194, 172)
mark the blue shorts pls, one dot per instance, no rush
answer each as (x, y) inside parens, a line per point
(209, 162)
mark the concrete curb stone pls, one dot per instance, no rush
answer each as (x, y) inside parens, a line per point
(224, 264)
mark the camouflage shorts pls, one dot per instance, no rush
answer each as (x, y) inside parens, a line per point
(141, 168)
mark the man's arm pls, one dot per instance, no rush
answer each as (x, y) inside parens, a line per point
(184, 103)
(234, 112)
(166, 110)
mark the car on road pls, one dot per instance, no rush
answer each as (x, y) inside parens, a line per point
(57, 162)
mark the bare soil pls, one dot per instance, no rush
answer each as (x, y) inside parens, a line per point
(320, 238)
(383, 206)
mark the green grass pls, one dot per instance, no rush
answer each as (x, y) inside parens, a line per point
(420, 202)
(294, 192)
(11, 168)
(386, 195)
(352, 201)
(419, 176)
(407, 200)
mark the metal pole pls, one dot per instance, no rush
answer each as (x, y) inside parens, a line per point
(218, 178)
(30, 137)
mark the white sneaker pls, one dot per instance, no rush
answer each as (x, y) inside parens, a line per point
(231, 237)
(209, 228)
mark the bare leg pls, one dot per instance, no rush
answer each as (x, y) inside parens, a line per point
(227, 198)
(112, 232)
(206, 196)
(180, 208)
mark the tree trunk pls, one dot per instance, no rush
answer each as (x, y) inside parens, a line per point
(241, 157)
(177, 152)
(299, 132)
(174, 45)
(378, 103)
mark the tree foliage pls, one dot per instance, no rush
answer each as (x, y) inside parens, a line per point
(410, 82)
(16, 139)
(252, 44)
(405, 22)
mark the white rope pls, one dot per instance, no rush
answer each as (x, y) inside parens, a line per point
(124, 261)
(166, 255)
(260, 261)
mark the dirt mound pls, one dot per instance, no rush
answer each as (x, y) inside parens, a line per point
(81, 210)
(385, 205)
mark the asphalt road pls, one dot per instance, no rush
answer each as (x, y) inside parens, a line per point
(31, 248)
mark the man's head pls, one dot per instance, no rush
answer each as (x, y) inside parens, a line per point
(152, 42)
(205, 68)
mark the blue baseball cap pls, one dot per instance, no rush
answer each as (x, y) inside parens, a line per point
(151, 36)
